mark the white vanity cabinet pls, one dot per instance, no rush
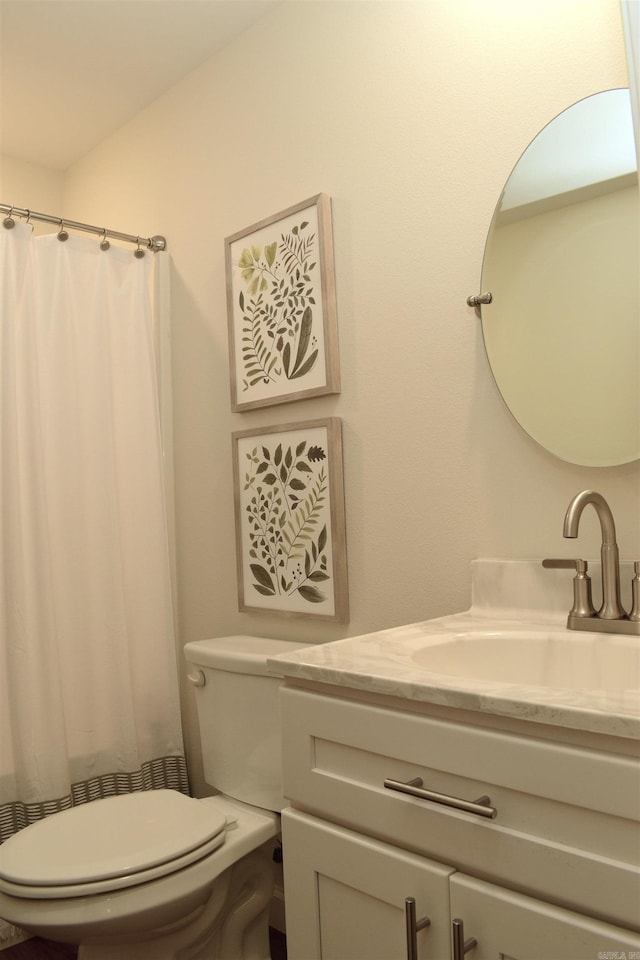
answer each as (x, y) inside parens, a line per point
(345, 895)
(509, 925)
(556, 872)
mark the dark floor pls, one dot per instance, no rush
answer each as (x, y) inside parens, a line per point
(37, 949)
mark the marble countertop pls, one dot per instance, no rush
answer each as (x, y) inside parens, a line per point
(384, 663)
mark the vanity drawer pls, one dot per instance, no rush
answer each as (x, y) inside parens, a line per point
(566, 827)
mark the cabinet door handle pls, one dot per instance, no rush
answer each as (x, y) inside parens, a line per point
(460, 945)
(412, 926)
(414, 788)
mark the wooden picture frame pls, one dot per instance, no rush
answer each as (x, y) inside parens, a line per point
(290, 520)
(281, 307)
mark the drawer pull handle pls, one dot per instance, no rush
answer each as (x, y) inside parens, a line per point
(412, 927)
(460, 945)
(414, 788)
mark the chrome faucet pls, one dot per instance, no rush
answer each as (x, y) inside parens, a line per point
(611, 617)
(611, 608)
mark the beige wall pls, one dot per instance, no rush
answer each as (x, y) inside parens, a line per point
(410, 116)
(31, 187)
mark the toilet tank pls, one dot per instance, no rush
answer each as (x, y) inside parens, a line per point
(239, 716)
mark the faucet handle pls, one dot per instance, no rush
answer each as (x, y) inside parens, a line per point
(582, 602)
(554, 563)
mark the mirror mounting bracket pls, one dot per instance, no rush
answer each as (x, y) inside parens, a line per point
(479, 299)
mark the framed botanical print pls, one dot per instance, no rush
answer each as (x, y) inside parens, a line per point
(281, 307)
(290, 519)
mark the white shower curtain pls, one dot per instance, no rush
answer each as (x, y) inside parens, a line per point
(88, 678)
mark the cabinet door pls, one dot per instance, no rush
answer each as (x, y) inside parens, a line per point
(509, 926)
(345, 895)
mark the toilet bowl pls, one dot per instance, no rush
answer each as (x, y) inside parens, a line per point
(157, 875)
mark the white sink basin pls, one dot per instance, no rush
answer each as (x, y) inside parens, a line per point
(542, 658)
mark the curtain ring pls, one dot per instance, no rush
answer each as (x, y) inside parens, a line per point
(62, 233)
(139, 253)
(28, 220)
(104, 243)
(9, 223)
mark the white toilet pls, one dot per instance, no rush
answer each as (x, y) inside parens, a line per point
(157, 875)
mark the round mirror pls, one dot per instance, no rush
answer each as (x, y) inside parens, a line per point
(562, 262)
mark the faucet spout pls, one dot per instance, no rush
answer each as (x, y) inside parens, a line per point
(611, 608)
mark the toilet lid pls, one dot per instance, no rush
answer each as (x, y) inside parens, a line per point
(137, 834)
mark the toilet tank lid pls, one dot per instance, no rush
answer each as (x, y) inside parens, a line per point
(239, 653)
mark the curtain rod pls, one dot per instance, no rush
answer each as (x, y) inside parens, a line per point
(151, 243)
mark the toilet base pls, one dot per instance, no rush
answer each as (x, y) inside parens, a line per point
(233, 924)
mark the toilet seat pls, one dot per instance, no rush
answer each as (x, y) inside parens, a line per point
(110, 844)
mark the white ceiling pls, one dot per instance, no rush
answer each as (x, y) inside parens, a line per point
(73, 71)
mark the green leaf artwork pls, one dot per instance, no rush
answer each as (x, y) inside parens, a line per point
(286, 513)
(277, 305)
